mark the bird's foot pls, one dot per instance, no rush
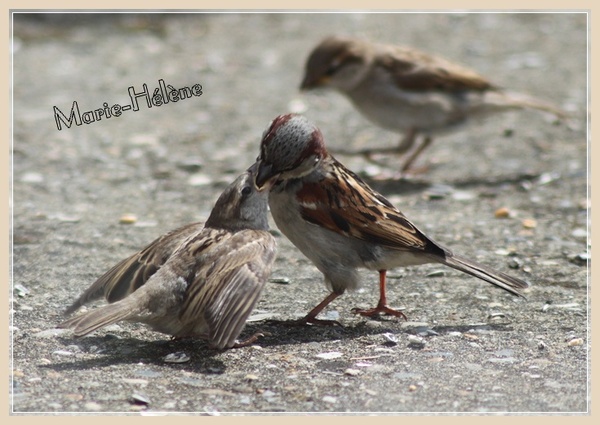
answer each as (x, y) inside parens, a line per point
(380, 309)
(251, 340)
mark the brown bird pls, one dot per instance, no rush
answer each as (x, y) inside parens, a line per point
(340, 223)
(197, 281)
(404, 90)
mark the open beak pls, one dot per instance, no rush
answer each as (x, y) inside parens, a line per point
(264, 178)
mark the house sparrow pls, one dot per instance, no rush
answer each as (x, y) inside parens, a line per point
(339, 222)
(196, 281)
(405, 90)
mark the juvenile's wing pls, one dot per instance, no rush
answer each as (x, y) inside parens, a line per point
(131, 273)
(229, 283)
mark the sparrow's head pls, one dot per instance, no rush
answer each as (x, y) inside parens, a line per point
(240, 206)
(337, 62)
(291, 147)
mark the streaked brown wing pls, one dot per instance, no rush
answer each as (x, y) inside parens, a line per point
(229, 285)
(417, 71)
(344, 203)
(131, 273)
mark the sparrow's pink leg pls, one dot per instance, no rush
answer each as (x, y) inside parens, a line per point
(382, 306)
(311, 317)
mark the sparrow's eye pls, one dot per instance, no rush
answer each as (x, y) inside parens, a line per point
(247, 190)
(333, 67)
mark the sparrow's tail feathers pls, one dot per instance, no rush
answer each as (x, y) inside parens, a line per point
(98, 318)
(501, 280)
(512, 100)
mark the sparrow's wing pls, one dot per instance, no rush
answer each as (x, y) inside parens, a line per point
(229, 283)
(416, 71)
(342, 202)
(131, 273)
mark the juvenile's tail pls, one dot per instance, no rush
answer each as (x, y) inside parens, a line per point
(98, 318)
(501, 280)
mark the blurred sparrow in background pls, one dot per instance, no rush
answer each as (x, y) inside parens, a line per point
(405, 90)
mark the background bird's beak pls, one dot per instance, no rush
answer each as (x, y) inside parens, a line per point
(309, 82)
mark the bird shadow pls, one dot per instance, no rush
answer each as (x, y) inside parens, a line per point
(419, 184)
(112, 350)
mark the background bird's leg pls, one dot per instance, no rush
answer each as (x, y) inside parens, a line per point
(382, 306)
(407, 141)
(413, 156)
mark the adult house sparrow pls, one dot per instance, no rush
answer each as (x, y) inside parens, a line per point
(339, 222)
(405, 90)
(196, 281)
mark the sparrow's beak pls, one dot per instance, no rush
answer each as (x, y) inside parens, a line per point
(312, 82)
(264, 178)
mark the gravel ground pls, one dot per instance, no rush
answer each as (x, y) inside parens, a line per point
(467, 346)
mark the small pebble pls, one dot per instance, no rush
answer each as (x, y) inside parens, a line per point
(330, 355)
(137, 398)
(575, 342)
(92, 406)
(127, 219)
(529, 223)
(280, 280)
(65, 218)
(546, 178)
(374, 324)
(580, 233)
(260, 316)
(413, 325)
(502, 212)
(436, 273)
(251, 377)
(390, 339)
(352, 372)
(297, 106)
(329, 399)
(412, 388)
(514, 263)
(438, 191)
(190, 165)
(463, 195)
(416, 342)
(32, 177)
(496, 315)
(62, 353)
(426, 332)
(178, 357)
(20, 290)
(199, 179)
(581, 258)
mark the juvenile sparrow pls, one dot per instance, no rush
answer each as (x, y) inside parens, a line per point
(405, 90)
(196, 281)
(339, 222)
